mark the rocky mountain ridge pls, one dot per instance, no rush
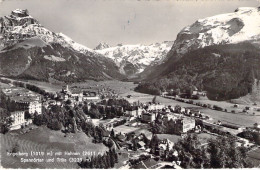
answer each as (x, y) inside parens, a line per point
(25, 38)
(133, 59)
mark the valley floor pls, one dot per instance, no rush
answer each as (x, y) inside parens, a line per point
(42, 139)
(127, 88)
(241, 119)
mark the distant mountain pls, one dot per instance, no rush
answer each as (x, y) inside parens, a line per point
(133, 59)
(102, 46)
(28, 50)
(220, 54)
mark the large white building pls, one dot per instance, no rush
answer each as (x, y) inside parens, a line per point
(18, 120)
(35, 106)
(136, 112)
(27, 100)
(30, 105)
(155, 107)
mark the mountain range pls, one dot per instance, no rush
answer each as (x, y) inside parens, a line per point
(133, 59)
(219, 54)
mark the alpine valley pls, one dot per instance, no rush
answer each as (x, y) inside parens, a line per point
(219, 54)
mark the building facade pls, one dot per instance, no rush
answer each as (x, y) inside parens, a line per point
(182, 125)
(148, 117)
(18, 119)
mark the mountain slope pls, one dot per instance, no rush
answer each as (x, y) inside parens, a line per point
(29, 50)
(220, 54)
(133, 59)
(241, 25)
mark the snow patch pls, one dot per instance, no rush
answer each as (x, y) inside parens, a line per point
(63, 39)
(216, 55)
(54, 58)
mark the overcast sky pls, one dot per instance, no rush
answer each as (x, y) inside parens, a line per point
(121, 21)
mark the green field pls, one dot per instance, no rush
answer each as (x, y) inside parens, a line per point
(46, 140)
(124, 129)
(254, 157)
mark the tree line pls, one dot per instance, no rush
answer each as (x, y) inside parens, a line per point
(107, 109)
(221, 152)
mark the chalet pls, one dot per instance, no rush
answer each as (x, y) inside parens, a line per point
(195, 113)
(148, 117)
(141, 145)
(187, 111)
(202, 93)
(134, 111)
(182, 110)
(165, 145)
(164, 93)
(66, 97)
(195, 91)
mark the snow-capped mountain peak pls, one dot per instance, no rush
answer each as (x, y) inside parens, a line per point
(20, 26)
(102, 46)
(241, 25)
(134, 59)
(44, 54)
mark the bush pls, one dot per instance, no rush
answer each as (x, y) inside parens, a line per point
(54, 125)
(196, 97)
(190, 102)
(215, 107)
(5, 81)
(15, 148)
(251, 136)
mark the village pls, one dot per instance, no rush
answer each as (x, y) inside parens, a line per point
(144, 134)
